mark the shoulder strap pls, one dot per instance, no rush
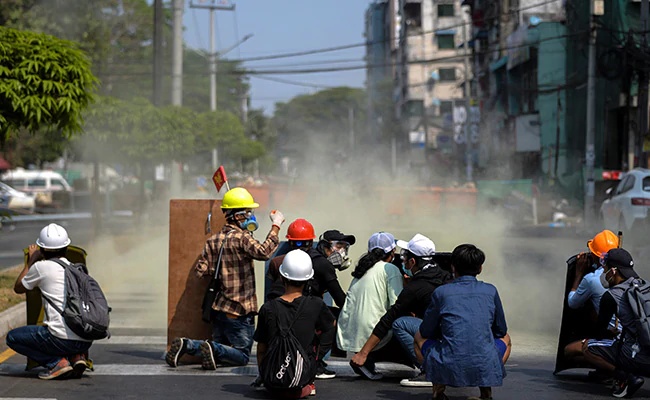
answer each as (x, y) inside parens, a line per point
(62, 264)
(217, 269)
(295, 318)
(275, 304)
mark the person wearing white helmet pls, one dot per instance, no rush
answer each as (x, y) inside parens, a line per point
(305, 315)
(54, 346)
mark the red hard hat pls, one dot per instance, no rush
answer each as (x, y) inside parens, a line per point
(301, 229)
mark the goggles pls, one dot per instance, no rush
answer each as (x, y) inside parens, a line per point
(340, 245)
(247, 213)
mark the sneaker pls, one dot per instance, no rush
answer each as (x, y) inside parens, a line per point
(420, 380)
(322, 372)
(367, 370)
(258, 384)
(207, 356)
(176, 351)
(313, 389)
(60, 370)
(79, 365)
(628, 387)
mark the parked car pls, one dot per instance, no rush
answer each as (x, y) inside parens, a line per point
(15, 200)
(626, 206)
(42, 184)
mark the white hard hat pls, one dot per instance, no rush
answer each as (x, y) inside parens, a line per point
(53, 237)
(297, 266)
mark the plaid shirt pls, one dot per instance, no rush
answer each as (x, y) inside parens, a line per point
(237, 272)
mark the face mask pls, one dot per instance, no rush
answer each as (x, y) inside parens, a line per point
(336, 259)
(408, 272)
(250, 223)
(603, 280)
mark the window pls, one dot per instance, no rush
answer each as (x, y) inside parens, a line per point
(446, 42)
(445, 10)
(415, 108)
(447, 74)
(36, 183)
(16, 183)
(58, 184)
(626, 185)
(646, 184)
(446, 107)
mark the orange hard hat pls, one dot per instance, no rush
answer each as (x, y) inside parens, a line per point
(603, 242)
(301, 229)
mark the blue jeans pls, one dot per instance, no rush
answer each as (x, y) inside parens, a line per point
(404, 330)
(232, 339)
(37, 343)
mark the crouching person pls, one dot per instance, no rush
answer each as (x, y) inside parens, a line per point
(286, 332)
(54, 346)
(460, 338)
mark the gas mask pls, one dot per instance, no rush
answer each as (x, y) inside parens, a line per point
(250, 223)
(339, 259)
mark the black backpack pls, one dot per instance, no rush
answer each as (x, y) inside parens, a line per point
(286, 364)
(85, 309)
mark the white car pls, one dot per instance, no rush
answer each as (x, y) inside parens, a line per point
(14, 200)
(626, 206)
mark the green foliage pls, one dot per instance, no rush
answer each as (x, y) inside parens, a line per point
(25, 148)
(319, 118)
(44, 82)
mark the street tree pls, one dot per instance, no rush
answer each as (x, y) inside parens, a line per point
(45, 83)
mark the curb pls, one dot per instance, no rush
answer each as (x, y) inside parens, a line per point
(12, 318)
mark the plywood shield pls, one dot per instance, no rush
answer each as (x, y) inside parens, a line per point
(188, 230)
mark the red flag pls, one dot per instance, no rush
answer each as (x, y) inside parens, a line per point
(219, 178)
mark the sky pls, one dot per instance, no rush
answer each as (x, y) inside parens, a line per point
(282, 26)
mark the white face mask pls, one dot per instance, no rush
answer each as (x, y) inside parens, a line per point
(603, 279)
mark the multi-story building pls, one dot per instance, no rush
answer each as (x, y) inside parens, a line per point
(429, 71)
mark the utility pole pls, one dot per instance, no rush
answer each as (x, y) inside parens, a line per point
(157, 52)
(643, 95)
(468, 95)
(351, 126)
(590, 153)
(213, 64)
(176, 185)
(425, 95)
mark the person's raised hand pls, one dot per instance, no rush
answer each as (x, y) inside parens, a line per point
(583, 265)
(277, 218)
(358, 360)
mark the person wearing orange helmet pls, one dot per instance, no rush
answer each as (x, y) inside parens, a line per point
(587, 289)
(586, 285)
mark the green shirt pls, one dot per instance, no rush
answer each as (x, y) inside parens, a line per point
(366, 302)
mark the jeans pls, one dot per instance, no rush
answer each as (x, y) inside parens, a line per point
(232, 339)
(404, 330)
(37, 343)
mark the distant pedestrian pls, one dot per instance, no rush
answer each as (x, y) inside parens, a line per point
(54, 346)
(234, 308)
(463, 337)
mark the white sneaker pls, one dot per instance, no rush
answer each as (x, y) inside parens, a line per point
(420, 380)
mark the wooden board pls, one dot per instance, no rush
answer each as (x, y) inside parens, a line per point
(187, 236)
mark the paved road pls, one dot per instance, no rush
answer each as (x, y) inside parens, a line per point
(529, 274)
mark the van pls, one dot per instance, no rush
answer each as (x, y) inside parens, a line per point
(41, 184)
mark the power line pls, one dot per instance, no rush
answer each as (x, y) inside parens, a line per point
(290, 82)
(251, 72)
(368, 43)
(198, 31)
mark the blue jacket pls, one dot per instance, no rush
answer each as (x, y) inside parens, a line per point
(463, 318)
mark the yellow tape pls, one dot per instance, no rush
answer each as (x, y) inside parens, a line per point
(7, 354)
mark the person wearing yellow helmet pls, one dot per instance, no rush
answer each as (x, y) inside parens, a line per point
(229, 254)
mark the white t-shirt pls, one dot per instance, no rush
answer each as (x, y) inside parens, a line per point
(50, 278)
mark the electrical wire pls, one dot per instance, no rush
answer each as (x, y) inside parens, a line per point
(236, 28)
(198, 31)
(291, 82)
(368, 43)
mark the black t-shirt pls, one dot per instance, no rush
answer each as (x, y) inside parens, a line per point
(314, 315)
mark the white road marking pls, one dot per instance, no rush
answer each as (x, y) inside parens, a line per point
(25, 398)
(153, 340)
(342, 368)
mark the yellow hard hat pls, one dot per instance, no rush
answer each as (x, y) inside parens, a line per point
(238, 198)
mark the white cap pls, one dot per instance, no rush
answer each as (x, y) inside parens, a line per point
(420, 246)
(53, 237)
(381, 240)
